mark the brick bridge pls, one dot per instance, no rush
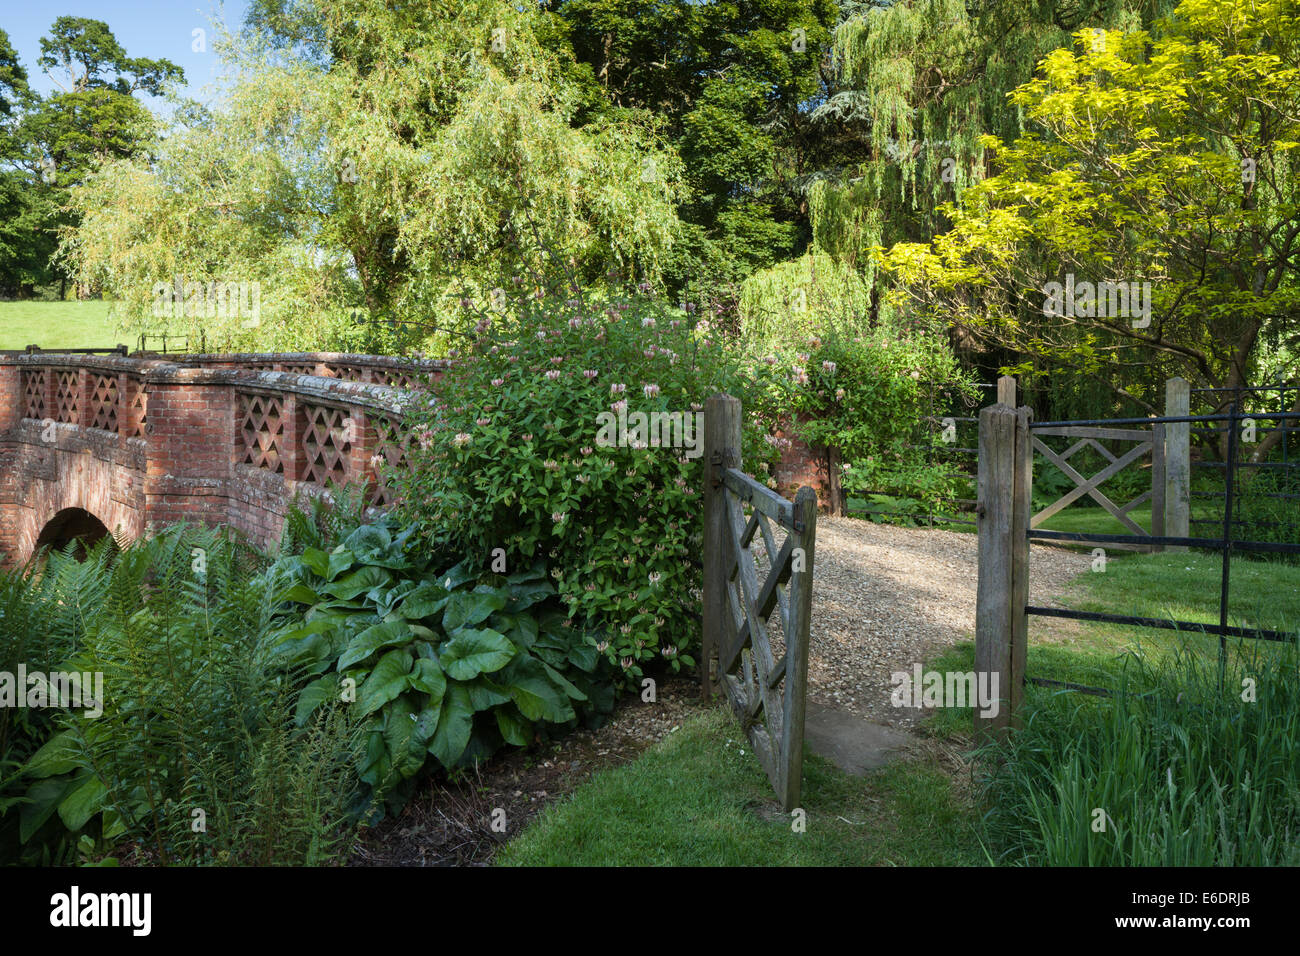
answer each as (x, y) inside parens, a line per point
(96, 443)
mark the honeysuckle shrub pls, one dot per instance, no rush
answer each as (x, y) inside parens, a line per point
(870, 395)
(531, 449)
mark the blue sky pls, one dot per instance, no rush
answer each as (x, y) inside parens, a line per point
(144, 28)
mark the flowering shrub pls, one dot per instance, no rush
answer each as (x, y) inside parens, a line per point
(534, 447)
(868, 396)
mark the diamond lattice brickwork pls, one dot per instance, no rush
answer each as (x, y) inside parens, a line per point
(327, 437)
(104, 402)
(261, 432)
(34, 392)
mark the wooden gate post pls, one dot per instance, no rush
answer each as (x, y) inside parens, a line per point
(1178, 470)
(721, 450)
(1007, 391)
(1001, 625)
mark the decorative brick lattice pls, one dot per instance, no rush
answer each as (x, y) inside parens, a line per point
(261, 432)
(34, 391)
(327, 437)
(299, 368)
(394, 377)
(103, 402)
(393, 440)
(67, 400)
(137, 405)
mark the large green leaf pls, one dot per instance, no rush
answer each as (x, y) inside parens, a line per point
(470, 653)
(301, 594)
(533, 693)
(465, 609)
(385, 682)
(427, 676)
(485, 694)
(60, 754)
(313, 695)
(454, 726)
(340, 560)
(82, 802)
(454, 577)
(43, 798)
(368, 539)
(428, 598)
(514, 729)
(563, 683)
(316, 561)
(406, 734)
(384, 634)
(362, 579)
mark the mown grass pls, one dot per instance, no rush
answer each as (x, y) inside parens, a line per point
(700, 798)
(56, 325)
(1178, 585)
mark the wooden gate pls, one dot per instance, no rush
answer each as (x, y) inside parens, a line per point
(1147, 441)
(767, 688)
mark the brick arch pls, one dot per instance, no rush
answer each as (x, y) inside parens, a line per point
(69, 525)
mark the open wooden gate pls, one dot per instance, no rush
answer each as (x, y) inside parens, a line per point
(767, 687)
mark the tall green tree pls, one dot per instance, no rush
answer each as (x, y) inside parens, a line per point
(58, 140)
(732, 85)
(376, 162)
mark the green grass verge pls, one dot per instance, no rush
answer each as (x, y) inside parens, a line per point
(1183, 586)
(700, 798)
(57, 325)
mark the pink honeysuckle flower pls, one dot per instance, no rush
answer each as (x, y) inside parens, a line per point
(461, 439)
(498, 382)
(589, 373)
(617, 388)
(650, 390)
(554, 374)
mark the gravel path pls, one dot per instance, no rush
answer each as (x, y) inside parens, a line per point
(887, 597)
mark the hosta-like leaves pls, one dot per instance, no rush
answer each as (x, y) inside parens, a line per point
(384, 634)
(454, 726)
(474, 652)
(467, 609)
(386, 681)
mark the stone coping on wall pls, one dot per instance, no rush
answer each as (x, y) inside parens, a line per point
(164, 371)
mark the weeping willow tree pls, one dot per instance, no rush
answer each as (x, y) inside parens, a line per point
(918, 84)
(369, 165)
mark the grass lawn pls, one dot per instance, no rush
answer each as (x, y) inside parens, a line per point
(56, 325)
(700, 798)
(1183, 586)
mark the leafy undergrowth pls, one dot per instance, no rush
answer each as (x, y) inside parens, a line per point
(700, 798)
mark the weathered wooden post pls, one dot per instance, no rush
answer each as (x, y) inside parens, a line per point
(1177, 461)
(1007, 391)
(721, 450)
(1001, 625)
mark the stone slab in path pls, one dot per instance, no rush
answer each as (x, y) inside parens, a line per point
(852, 743)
